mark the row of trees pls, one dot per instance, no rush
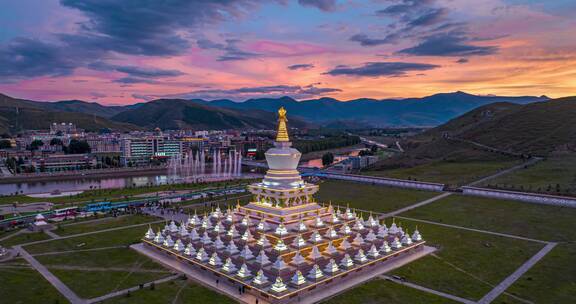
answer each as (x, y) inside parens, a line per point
(74, 147)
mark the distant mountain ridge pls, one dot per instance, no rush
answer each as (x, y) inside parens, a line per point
(427, 111)
(185, 114)
(364, 112)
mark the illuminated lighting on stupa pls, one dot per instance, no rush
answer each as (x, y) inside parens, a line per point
(283, 243)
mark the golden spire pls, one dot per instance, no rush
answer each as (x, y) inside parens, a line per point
(282, 134)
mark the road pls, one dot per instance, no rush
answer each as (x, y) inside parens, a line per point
(419, 204)
(494, 293)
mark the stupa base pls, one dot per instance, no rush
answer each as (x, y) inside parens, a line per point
(311, 292)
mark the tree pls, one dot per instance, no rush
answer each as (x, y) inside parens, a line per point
(5, 144)
(78, 147)
(56, 141)
(36, 144)
(327, 159)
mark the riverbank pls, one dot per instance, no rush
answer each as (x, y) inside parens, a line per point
(73, 175)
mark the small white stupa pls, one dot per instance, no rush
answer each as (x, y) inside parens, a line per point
(280, 246)
(281, 230)
(190, 250)
(244, 272)
(201, 255)
(346, 261)
(168, 242)
(298, 279)
(279, 285)
(373, 252)
(246, 221)
(360, 256)
(206, 240)
(215, 260)
(385, 248)
(159, 239)
(383, 231)
(279, 264)
(149, 234)
(345, 229)
(318, 223)
(262, 258)
(331, 267)
(193, 220)
(331, 234)
(232, 232)
(315, 237)
(183, 231)
(315, 273)
(173, 227)
(263, 241)
(218, 243)
(315, 253)
(262, 226)
(299, 241)
(358, 240)
(260, 278)
(247, 236)
(416, 236)
(194, 235)
(298, 259)
(345, 245)
(330, 249)
(246, 253)
(302, 227)
(396, 244)
(228, 266)
(219, 228)
(231, 248)
(178, 246)
(370, 237)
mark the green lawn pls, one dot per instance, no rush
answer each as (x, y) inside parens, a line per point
(105, 223)
(109, 258)
(26, 286)
(382, 291)
(177, 292)
(369, 197)
(543, 176)
(97, 240)
(543, 222)
(24, 238)
(455, 173)
(468, 264)
(552, 280)
(91, 284)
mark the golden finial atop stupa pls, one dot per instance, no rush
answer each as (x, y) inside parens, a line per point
(282, 134)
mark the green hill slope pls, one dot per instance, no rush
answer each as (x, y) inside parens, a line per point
(184, 114)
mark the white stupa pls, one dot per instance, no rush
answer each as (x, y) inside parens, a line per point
(215, 260)
(315, 253)
(260, 278)
(373, 252)
(263, 241)
(228, 266)
(179, 246)
(244, 272)
(299, 241)
(280, 246)
(281, 230)
(360, 256)
(279, 286)
(159, 238)
(218, 243)
(262, 258)
(346, 261)
(315, 273)
(315, 237)
(194, 235)
(385, 248)
(298, 259)
(246, 253)
(298, 279)
(190, 250)
(330, 249)
(331, 267)
(416, 236)
(262, 226)
(231, 248)
(201, 255)
(149, 234)
(232, 232)
(168, 242)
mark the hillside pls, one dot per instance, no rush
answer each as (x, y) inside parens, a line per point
(78, 106)
(536, 129)
(184, 114)
(427, 111)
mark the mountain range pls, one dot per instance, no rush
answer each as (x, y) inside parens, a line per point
(19, 114)
(539, 128)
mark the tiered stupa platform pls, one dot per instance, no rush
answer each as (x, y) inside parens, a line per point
(283, 243)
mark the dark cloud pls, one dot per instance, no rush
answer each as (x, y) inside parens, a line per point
(27, 58)
(134, 71)
(325, 5)
(462, 60)
(378, 69)
(303, 66)
(448, 44)
(133, 80)
(148, 27)
(364, 40)
(241, 94)
(97, 95)
(230, 49)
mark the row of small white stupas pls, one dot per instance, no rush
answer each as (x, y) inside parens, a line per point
(198, 230)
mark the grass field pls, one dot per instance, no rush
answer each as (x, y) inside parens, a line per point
(90, 284)
(368, 197)
(468, 264)
(382, 291)
(97, 240)
(26, 286)
(24, 238)
(557, 170)
(552, 280)
(542, 222)
(455, 173)
(176, 292)
(104, 223)
(109, 258)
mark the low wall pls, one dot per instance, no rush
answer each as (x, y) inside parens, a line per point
(402, 183)
(535, 198)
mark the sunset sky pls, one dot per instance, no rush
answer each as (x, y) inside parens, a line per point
(127, 51)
